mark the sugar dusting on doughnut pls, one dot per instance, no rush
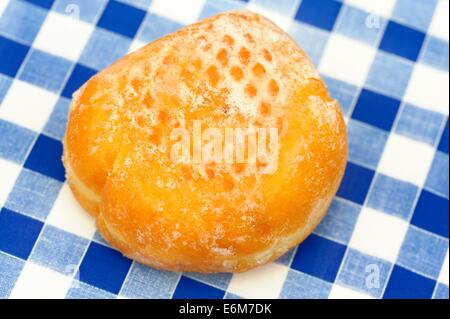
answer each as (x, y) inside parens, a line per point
(232, 70)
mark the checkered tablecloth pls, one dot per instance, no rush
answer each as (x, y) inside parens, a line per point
(386, 233)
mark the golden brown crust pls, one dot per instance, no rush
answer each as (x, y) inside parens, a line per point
(232, 70)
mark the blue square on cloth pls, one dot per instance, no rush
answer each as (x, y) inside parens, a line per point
(146, 282)
(45, 158)
(355, 183)
(22, 21)
(340, 220)
(18, 233)
(79, 76)
(59, 250)
(443, 144)
(188, 288)
(46, 4)
(415, 253)
(343, 92)
(212, 7)
(104, 48)
(5, 83)
(15, 141)
(13, 54)
(404, 284)
(365, 143)
(121, 18)
(364, 273)
(319, 257)
(436, 53)
(104, 267)
(431, 213)
(84, 10)
(414, 13)
(311, 39)
(33, 194)
(219, 280)
(321, 14)
(81, 290)
(437, 180)
(419, 124)
(10, 269)
(155, 27)
(389, 75)
(401, 40)
(45, 70)
(57, 121)
(376, 109)
(299, 285)
(352, 22)
(441, 291)
(392, 196)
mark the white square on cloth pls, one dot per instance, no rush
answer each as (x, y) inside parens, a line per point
(428, 88)
(378, 234)
(406, 159)
(178, 10)
(443, 276)
(381, 8)
(347, 59)
(262, 282)
(3, 5)
(64, 36)
(339, 292)
(68, 215)
(8, 172)
(27, 105)
(135, 45)
(440, 23)
(37, 282)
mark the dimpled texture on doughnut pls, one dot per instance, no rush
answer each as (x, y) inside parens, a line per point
(232, 70)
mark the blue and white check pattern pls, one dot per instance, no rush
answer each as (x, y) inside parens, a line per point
(386, 233)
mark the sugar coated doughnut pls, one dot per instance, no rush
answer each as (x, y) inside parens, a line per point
(213, 149)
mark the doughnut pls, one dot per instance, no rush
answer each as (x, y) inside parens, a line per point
(216, 148)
